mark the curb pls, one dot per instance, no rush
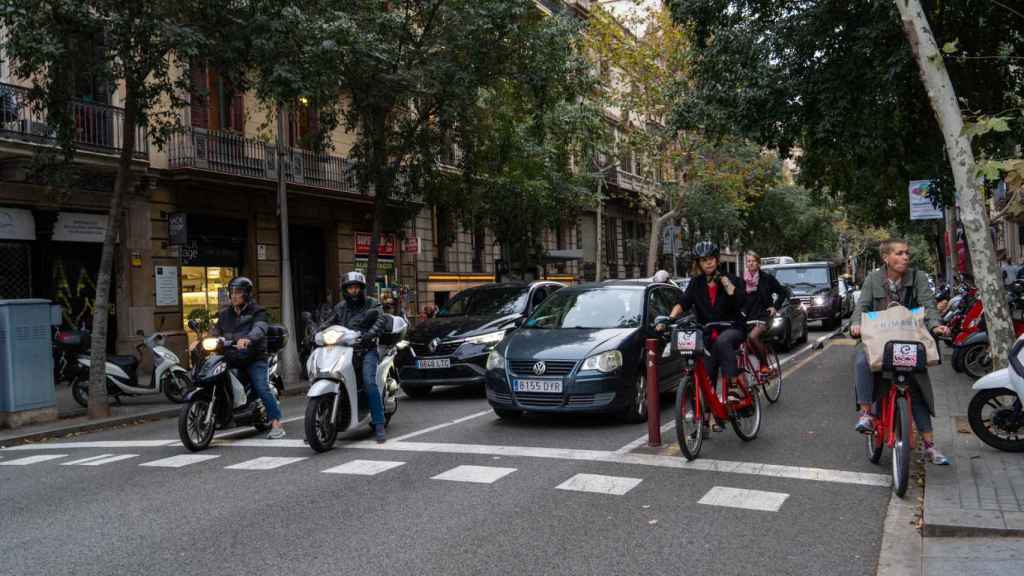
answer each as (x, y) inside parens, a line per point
(106, 423)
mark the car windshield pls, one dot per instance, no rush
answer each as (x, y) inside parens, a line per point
(487, 302)
(806, 276)
(596, 308)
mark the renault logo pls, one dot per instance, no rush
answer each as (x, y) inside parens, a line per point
(540, 368)
(434, 344)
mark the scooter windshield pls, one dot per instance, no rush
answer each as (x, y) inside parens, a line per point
(337, 336)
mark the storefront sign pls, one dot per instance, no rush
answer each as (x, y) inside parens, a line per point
(923, 205)
(412, 244)
(80, 227)
(17, 224)
(177, 229)
(385, 250)
(166, 285)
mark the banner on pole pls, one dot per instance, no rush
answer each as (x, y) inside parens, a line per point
(923, 205)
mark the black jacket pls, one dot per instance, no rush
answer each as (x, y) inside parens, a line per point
(770, 294)
(368, 319)
(252, 323)
(726, 309)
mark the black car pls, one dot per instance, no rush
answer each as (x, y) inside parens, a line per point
(788, 327)
(816, 286)
(452, 347)
(583, 351)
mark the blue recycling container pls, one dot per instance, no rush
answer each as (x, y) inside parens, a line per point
(26, 355)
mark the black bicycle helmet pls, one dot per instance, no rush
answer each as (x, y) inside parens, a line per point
(705, 249)
(241, 283)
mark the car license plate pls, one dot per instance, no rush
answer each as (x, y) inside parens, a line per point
(545, 386)
(429, 363)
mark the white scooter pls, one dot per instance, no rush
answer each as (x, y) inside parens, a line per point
(995, 412)
(169, 376)
(336, 404)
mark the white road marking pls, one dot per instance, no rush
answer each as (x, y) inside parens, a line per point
(264, 463)
(746, 499)
(84, 460)
(643, 439)
(475, 474)
(600, 484)
(243, 430)
(364, 467)
(109, 460)
(32, 459)
(95, 444)
(441, 426)
(180, 460)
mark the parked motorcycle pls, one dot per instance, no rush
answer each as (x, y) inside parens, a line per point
(68, 345)
(222, 397)
(168, 377)
(337, 399)
(971, 350)
(995, 412)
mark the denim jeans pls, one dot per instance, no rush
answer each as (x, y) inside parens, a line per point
(864, 379)
(371, 359)
(261, 383)
(723, 355)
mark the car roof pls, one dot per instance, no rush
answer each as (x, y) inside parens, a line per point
(509, 285)
(798, 265)
(627, 283)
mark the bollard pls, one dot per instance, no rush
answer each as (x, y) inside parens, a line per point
(653, 394)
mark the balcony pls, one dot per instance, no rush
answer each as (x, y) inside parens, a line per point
(628, 181)
(98, 127)
(236, 155)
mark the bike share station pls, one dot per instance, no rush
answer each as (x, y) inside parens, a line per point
(27, 393)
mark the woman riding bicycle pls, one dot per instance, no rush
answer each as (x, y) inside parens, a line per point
(764, 296)
(894, 283)
(714, 297)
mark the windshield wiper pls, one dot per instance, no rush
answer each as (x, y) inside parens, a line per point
(811, 284)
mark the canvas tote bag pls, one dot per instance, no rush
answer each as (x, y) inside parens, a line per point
(895, 323)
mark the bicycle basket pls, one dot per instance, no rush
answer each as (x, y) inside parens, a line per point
(904, 356)
(688, 342)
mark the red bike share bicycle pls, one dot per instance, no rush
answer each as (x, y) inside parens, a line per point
(696, 399)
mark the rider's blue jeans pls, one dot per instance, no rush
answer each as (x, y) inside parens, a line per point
(864, 379)
(261, 383)
(371, 359)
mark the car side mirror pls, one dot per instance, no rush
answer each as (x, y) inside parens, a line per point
(519, 321)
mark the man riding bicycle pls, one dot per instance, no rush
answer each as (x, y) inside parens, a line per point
(764, 296)
(896, 284)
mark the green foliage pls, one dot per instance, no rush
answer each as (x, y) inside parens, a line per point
(787, 220)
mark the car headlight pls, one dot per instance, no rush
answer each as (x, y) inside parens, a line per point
(819, 300)
(604, 362)
(492, 338)
(210, 344)
(778, 320)
(495, 361)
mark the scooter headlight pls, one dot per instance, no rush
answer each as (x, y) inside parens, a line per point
(210, 344)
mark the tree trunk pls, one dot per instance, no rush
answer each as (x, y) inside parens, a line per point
(290, 355)
(99, 407)
(961, 159)
(599, 233)
(657, 222)
(383, 180)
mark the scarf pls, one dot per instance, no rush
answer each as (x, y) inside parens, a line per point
(893, 291)
(751, 279)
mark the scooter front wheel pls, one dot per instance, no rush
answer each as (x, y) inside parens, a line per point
(196, 424)
(320, 431)
(80, 391)
(175, 387)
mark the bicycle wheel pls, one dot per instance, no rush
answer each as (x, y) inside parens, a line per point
(746, 422)
(689, 421)
(901, 446)
(772, 385)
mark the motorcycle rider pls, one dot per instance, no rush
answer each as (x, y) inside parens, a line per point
(361, 313)
(246, 323)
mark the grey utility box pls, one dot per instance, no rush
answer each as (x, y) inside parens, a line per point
(26, 363)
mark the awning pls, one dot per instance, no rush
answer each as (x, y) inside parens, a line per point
(556, 256)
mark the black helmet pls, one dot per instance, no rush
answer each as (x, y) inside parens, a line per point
(705, 249)
(354, 279)
(241, 283)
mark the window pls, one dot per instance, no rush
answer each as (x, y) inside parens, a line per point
(479, 245)
(439, 229)
(303, 125)
(611, 245)
(215, 104)
(661, 302)
(539, 295)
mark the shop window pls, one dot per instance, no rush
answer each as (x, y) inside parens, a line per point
(203, 293)
(16, 281)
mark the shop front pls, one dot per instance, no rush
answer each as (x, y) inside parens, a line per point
(17, 234)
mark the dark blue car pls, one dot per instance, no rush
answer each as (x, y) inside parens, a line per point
(582, 351)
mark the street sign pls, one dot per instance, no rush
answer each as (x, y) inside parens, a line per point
(412, 244)
(385, 250)
(923, 205)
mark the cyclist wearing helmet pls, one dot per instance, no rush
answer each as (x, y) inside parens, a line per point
(246, 323)
(764, 296)
(662, 277)
(714, 297)
(363, 314)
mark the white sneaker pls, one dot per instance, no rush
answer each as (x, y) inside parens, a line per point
(276, 433)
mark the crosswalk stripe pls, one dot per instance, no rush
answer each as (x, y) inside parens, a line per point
(180, 460)
(264, 463)
(84, 460)
(742, 498)
(32, 459)
(600, 484)
(364, 467)
(109, 460)
(475, 474)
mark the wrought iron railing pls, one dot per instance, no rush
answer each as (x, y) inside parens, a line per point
(98, 127)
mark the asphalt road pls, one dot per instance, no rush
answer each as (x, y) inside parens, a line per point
(458, 491)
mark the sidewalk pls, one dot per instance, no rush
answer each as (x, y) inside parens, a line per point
(981, 493)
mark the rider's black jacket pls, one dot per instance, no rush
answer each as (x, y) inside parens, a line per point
(368, 319)
(250, 322)
(770, 293)
(725, 309)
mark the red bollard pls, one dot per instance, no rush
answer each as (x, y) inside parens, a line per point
(653, 394)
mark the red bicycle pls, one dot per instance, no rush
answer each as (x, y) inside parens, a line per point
(894, 427)
(770, 382)
(696, 399)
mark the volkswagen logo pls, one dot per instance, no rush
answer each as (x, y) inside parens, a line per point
(540, 368)
(434, 344)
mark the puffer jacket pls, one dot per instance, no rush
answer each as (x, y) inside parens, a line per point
(250, 322)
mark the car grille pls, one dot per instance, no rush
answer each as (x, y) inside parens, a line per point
(499, 396)
(443, 349)
(540, 400)
(553, 367)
